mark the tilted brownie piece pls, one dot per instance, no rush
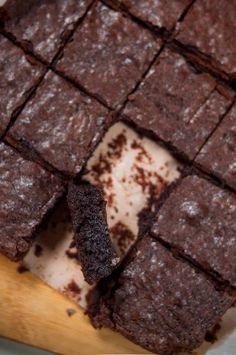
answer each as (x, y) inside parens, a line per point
(27, 194)
(41, 26)
(160, 13)
(60, 125)
(218, 155)
(178, 105)
(160, 302)
(198, 219)
(108, 54)
(88, 213)
(19, 74)
(209, 27)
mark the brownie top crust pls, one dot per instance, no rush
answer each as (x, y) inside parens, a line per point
(178, 105)
(162, 13)
(42, 26)
(27, 193)
(91, 235)
(160, 302)
(198, 219)
(218, 155)
(209, 27)
(60, 124)
(108, 54)
(19, 74)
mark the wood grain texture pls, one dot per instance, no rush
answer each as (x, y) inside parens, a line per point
(33, 313)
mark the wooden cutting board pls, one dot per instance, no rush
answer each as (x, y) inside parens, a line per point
(33, 313)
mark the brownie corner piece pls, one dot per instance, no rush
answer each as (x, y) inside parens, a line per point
(209, 28)
(178, 105)
(19, 74)
(198, 220)
(108, 54)
(28, 193)
(218, 155)
(91, 236)
(42, 27)
(159, 302)
(71, 124)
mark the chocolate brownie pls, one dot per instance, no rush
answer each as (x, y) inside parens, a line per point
(159, 302)
(41, 26)
(27, 194)
(108, 54)
(198, 219)
(19, 74)
(158, 13)
(60, 125)
(209, 27)
(178, 105)
(88, 214)
(218, 155)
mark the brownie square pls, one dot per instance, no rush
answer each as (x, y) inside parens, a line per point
(160, 302)
(42, 26)
(60, 125)
(19, 74)
(161, 13)
(198, 219)
(91, 236)
(27, 194)
(218, 155)
(178, 105)
(108, 54)
(210, 28)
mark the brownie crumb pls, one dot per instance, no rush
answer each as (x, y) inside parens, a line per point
(122, 236)
(38, 251)
(70, 312)
(21, 269)
(73, 287)
(72, 254)
(211, 336)
(117, 146)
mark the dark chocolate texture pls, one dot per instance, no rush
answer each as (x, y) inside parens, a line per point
(42, 26)
(160, 302)
(19, 74)
(198, 219)
(28, 193)
(60, 124)
(178, 105)
(91, 236)
(108, 54)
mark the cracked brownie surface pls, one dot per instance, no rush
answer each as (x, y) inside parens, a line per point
(108, 54)
(61, 125)
(41, 27)
(218, 155)
(19, 74)
(160, 302)
(198, 219)
(177, 104)
(28, 193)
(209, 27)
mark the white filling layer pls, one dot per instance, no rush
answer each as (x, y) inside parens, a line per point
(129, 168)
